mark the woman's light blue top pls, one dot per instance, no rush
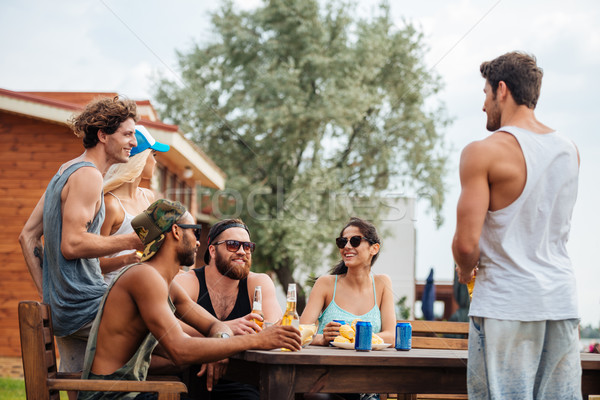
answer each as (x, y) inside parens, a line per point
(333, 311)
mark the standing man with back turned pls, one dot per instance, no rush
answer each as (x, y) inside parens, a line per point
(69, 216)
(519, 187)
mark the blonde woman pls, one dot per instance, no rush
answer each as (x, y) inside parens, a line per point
(124, 198)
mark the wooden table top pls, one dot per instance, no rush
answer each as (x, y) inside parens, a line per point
(320, 355)
(334, 370)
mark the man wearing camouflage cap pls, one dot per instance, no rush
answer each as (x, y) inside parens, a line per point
(137, 308)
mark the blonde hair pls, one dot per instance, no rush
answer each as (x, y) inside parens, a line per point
(121, 173)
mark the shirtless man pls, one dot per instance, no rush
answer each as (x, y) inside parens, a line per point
(518, 191)
(137, 309)
(69, 216)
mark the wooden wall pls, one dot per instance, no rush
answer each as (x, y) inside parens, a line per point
(31, 151)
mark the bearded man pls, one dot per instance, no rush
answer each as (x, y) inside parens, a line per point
(225, 288)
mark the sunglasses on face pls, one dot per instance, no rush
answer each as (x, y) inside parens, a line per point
(234, 245)
(197, 229)
(354, 241)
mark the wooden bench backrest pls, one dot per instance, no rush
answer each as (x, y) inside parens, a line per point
(432, 335)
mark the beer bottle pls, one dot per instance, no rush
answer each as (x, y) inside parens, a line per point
(290, 317)
(471, 284)
(257, 305)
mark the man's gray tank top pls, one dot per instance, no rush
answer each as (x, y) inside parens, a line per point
(72, 288)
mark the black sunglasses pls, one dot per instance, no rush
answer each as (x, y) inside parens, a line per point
(354, 241)
(197, 229)
(234, 245)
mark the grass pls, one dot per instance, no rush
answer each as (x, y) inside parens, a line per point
(14, 389)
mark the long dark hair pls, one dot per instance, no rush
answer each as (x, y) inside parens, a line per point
(368, 230)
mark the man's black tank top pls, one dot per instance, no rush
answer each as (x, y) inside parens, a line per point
(242, 303)
(224, 389)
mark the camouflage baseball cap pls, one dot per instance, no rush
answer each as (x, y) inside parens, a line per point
(152, 224)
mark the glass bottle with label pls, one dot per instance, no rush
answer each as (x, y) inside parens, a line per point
(257, 305)
(290, 317)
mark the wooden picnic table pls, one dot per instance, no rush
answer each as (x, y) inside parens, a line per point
(280, 375)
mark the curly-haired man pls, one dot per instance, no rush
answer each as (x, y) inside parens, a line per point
(69, 216)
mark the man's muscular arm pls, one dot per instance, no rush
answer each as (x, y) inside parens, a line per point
(149, 293)
(31, 244)
(80, 199)
(473, 205)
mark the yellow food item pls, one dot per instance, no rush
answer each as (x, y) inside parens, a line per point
(347, 332)
(376, 339)
(353, 324)
(307, 331)
(341, 339)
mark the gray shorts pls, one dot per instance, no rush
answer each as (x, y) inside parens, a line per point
(523, 360)
(72, 349)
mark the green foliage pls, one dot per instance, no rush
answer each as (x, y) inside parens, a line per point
(590, 332)
(402, 310)
(314, 114)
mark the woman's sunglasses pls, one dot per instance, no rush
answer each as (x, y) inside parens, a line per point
(354, 241)
(234, 245)
(197, 229)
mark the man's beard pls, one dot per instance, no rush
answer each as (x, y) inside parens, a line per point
(494, 118)
(187, 255)
(493, 122)
(231, 269)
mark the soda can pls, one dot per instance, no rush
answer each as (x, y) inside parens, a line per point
(403, 336)
(341, 322)
(364, 335)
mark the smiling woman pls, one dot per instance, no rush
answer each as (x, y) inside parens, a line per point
(351, 291)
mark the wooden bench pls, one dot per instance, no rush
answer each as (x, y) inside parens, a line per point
(434, 335)
(440, 335)
(43, 382)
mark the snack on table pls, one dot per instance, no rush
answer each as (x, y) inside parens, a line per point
(341, 339)
(376, 339)
(307, 332)
(347, 332)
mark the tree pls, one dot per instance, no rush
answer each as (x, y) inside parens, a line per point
(313, 114)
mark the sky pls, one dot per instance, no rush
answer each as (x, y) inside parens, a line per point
(110, 45)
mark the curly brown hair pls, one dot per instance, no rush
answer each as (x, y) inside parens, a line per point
(104, 114)
(520, 73)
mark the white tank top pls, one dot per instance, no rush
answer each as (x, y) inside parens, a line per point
(124, 228)
(525, 273)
